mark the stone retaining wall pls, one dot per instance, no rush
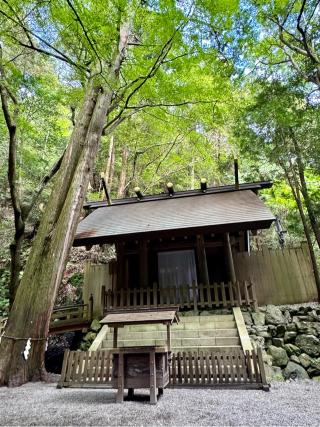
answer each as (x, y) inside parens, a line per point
(290, 337)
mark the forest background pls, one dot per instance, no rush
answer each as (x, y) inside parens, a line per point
(239, 79)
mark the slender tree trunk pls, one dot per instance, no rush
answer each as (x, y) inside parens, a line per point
(109, 161)
(111, 174)
(296, 194)
(192, 175)
(123, 173)
(305, 193)
(15, 264)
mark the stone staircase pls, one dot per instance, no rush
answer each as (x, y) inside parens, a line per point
(193, 333)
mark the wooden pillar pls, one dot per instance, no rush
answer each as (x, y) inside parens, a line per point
(168, 336)
(120, 265)
(202, 260)
(229, 256)
(119, 398)
(143, 261)
(115, 337)
(153, 378)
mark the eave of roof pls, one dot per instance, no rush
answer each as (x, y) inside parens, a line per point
(254, 186)
(215, 212)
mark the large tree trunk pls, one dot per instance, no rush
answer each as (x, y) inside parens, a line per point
(32, 307)
(31, 311)
(123, 173)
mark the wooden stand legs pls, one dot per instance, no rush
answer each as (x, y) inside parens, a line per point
(130, 383)
(119, 398)
(153, 388)
(130, 393)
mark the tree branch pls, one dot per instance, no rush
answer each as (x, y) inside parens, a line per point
(42, 185)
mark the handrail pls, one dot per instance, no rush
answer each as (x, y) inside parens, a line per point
(196, 296)
(67, 307)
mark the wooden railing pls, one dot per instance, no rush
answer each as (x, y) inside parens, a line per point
(217, 295)
(233, 368)
(69, 315)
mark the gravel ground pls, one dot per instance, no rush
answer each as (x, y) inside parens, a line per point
(287, 404)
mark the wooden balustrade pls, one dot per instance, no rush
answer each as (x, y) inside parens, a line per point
(217, 295)
(71, 317)
(233, 368)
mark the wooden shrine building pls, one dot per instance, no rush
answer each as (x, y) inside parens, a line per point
(188, 251)
(192, 248)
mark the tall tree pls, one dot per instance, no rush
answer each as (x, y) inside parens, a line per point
(271, 129)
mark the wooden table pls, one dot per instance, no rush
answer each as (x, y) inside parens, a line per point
(141, 367)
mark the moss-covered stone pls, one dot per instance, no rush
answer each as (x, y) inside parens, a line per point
(289, 336)
(278, 342)
(305, 360)
(279, 356)
(258, 318)
(294, 371)
(314, 368)
(90, 336)
(295, 359)
(95, 325)
(292, 349)
(274, 315)
(273, 373)
(309, 344)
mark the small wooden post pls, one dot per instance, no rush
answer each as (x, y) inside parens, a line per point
(155, 295)
(169, 336)
(228, 252)
(120, 264)
(103, 301)
(106, 192)
(90, 311)
(143, 260)
(115, 337)
(236, 174)
(153, 394)
(119, 398)
(202, 260)
(195, 297)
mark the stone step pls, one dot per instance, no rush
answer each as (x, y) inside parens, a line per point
(213, 348)
(192, 333)
(226, 324)
(177, 342)
(202, 319)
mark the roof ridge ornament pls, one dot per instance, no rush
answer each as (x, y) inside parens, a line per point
(170, 189)
(138, 192)
(203, 185)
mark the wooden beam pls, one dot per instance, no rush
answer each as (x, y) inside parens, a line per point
(202, 260)
(143, 263)
(229, 256)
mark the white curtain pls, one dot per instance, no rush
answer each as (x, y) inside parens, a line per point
(176, 268)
